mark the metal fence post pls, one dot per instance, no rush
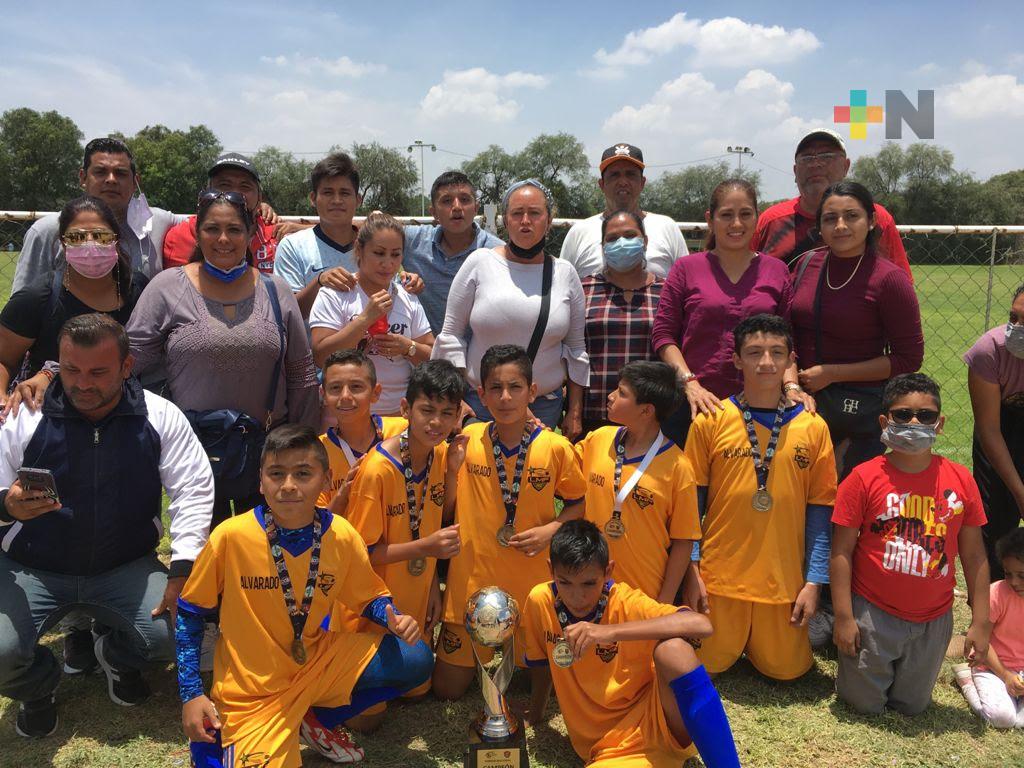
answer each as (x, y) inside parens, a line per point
(991, 273)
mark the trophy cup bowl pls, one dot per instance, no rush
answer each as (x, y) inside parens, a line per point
(492, 616)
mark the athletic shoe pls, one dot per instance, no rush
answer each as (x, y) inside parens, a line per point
(79, 655)
(36, 719)
(124, 686)
(337, 745)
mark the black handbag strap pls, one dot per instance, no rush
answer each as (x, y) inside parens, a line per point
(545, 308)
(275, 305)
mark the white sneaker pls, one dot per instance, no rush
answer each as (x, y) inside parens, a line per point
(337, 745)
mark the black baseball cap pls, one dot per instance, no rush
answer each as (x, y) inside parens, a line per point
(234, 160)
(621, 152)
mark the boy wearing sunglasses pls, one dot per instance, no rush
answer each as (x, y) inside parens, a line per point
(900, 520)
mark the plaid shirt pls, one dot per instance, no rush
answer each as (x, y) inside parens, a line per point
(617, 332)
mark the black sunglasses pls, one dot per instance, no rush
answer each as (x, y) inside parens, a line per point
(208, 196)
(904, 415)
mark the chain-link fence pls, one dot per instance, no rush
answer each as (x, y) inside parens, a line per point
(965, 279)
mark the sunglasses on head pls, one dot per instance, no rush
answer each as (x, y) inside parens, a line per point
(904, 415)
(208, 196)
(82, 236)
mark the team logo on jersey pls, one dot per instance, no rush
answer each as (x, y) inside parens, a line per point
(255, 760)
(325, 581)
(802, 456)
(450, 641)
(437, 494)
(607, 652)
(643, 497)
(538, 477)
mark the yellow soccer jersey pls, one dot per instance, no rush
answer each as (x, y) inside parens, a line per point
(377, 509)
(236, 571)
(662, 506)
(746, 554)
(551, 470)
(389, 426)
(609, 697)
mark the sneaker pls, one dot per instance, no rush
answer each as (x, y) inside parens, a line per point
(124, 686)
(336, 745)
(36, 719)
(79, 655)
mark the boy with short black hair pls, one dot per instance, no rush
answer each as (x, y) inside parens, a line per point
(274, 659)
(508, 483)
(350, 388)
(630, 686)
(403, 497)
(640, 487)
(900, 520)
(766, 482)
(323, 255)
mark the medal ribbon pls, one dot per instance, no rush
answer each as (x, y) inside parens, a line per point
(621, 494)
(297, 615)
(761, 466)
(510, 495)
(346, 449)
(415, 512)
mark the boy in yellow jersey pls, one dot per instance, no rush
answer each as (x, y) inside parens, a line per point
(350, 388)
(405, 490)
(276, 573)
(640, 487)
(632, 691)
(766, 483)
(505, 510)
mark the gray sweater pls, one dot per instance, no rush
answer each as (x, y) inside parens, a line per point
(213, 362)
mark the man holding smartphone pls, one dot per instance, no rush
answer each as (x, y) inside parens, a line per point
(107, 449)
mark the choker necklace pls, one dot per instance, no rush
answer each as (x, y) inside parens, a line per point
(527, 253)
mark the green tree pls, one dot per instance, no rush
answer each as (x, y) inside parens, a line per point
(40, 154)
(492, 171)
(285, 180)
(389, 179)
(173, 164)
(916, 184)
(684, 194)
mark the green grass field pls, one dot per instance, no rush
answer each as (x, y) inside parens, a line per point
(794, 725)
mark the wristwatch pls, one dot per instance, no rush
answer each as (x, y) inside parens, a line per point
(412, 350)
(686, 378)
(792, 386)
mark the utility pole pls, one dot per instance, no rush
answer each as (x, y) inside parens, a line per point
(423, 194)
(740, 152)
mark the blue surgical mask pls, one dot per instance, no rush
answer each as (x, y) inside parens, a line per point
(225, 275)
(624, 254)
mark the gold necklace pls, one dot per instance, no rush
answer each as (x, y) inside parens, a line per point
(828, 281)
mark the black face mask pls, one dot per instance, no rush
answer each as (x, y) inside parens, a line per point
(527, 253)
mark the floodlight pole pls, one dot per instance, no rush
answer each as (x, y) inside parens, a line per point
(419, 144)
(739, 152)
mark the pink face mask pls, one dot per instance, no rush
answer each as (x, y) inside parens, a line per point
(91, 259)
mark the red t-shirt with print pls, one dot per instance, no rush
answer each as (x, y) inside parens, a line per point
(904, 561)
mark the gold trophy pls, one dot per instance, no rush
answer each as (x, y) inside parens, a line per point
(497, 737)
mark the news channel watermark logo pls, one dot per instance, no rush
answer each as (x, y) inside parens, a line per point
(899, 109)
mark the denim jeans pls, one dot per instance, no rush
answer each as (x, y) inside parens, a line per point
(33, 602)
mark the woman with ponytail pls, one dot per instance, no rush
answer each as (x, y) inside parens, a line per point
(498, 297)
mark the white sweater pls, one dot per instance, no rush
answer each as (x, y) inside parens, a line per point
(498, 301)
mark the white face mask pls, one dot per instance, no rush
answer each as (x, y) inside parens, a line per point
(140, 215)
(1015, 339)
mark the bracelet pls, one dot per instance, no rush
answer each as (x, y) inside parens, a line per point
(790, 386)
(47, 374)
(687, 377)
(319, 282)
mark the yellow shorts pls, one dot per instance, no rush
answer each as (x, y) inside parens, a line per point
(264, 731)
(453, 647)
(642, 738)
(762, 630)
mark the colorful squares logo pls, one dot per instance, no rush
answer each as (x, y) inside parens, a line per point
(858, 114)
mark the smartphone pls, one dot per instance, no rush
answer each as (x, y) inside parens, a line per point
(33, 479)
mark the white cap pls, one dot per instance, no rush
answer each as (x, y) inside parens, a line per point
(826, 134)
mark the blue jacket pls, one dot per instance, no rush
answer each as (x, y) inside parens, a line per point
(109, 476)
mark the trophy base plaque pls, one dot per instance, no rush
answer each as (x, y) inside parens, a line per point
(509, 752)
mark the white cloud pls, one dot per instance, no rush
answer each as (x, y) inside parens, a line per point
(982, 97)
(725, 41)
(478, 93)
(342, 66)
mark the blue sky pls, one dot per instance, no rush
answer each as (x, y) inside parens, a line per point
(681, 80)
